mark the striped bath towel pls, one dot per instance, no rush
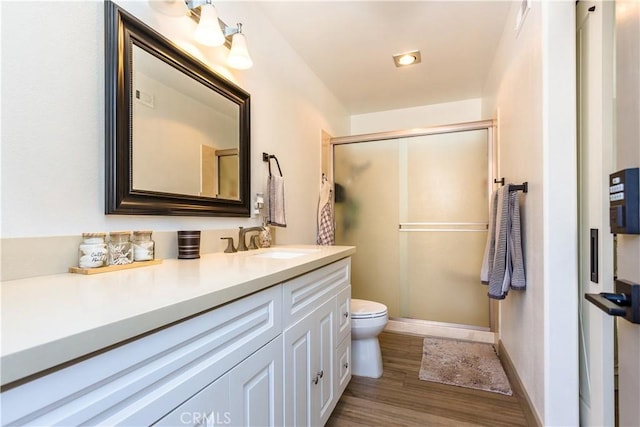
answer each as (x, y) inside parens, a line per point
(326, 232)
(503, 261)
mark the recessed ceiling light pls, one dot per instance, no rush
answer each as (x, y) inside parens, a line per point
(407, 58)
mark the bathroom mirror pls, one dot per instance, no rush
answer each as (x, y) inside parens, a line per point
(177, 134)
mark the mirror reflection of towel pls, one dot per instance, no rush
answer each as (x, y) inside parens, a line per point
(276, 215)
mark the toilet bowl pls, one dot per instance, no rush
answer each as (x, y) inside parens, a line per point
(368, 319)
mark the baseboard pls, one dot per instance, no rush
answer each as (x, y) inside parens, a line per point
(433, 330)
(518, 388)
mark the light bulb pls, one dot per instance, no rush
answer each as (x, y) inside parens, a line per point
(239, 54)
(208, 31)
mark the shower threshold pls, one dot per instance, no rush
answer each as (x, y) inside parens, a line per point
(440, 329)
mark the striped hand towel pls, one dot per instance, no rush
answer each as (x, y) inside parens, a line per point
(275, 211)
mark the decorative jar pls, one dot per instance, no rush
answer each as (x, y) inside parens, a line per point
(143, 246)
(92, 252)
(120, 250)
(265, 239)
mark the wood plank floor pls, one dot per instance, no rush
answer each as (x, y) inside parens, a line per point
(399, 398)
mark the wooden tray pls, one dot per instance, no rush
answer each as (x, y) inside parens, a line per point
(109, 268)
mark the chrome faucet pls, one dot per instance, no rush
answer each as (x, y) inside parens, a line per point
(242, 244)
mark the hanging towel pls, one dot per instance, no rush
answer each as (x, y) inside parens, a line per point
(275, 212)
(326, 233)
(503, 262)
(518, 279)
(490, 246)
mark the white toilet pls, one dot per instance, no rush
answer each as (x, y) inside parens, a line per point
(368, 319)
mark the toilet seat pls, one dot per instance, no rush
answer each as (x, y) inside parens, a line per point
(363, 309)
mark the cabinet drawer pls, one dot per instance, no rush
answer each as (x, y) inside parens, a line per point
(303, 294)
(343, 371)
(344, 314)
(138, 382)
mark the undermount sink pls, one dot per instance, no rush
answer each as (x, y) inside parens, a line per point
(285, 253)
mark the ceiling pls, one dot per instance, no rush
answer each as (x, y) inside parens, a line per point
(349, 45)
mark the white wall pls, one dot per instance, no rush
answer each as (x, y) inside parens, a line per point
(467, 110)
(53, 118)
(531, 93)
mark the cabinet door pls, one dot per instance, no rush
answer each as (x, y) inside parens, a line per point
(343, 368)
(298, 355)
(309, 351)
(344, 314)
(325, 320)
(255, 388)
(207, 408)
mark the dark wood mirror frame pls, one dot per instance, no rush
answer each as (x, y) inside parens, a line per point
(122, 32)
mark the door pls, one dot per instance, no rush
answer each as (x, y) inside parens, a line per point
(209, 407)
(325, 389)
(594, 37)
(298, 351)
(255, 388)
(443, 227)
(417, 209)
(309, 358)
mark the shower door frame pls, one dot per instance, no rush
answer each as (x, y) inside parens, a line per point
(492, 172)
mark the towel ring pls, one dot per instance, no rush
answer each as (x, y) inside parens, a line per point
(266, 157)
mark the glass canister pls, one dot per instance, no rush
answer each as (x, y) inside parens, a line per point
(92, 252)
(143, 246)
(120, 250)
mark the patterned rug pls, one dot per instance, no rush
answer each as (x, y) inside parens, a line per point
(464, 364)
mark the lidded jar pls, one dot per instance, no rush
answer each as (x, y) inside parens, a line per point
(143, 246)
(120, 249)
(92, 252)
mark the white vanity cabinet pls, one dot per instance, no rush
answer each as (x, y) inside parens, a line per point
(279, 356)
(139, 382)
(317, 335)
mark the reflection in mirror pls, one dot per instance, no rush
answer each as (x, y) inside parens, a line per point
(177, 134)
(178, 126)
(227, 173)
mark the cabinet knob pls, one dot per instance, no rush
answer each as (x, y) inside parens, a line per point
(315, 380)
(346, 314)
(321, 374)
(346, 365)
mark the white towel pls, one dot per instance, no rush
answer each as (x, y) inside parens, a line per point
(326, 233)
(275, 212)
(503, 261)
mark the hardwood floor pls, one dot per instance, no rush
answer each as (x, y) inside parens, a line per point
(399, 398)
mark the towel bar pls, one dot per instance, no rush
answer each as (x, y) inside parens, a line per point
(524, 187)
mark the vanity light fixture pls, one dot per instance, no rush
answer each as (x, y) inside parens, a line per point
(239, 55)
(407, 58)
(208, 32)
(211, 30)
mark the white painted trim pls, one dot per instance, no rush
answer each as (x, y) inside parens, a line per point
(560, 219)
(434, 330)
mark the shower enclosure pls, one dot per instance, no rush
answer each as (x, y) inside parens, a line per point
(415, 203)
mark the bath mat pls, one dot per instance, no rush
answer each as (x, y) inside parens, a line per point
(463, 364)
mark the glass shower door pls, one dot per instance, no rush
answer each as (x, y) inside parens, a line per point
(443, 227)
(417, 210)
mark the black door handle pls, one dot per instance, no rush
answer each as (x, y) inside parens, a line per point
(606, 305)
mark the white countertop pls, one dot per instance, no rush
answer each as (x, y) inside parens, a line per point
(49, 320)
